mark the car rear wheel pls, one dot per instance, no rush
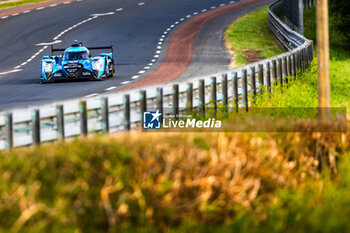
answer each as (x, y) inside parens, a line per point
(110, 67)
(111, 72)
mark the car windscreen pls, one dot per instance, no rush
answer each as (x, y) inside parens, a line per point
(72, 56)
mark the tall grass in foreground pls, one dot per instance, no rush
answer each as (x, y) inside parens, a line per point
(210, 182)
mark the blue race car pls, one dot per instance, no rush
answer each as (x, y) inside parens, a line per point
(77, 63)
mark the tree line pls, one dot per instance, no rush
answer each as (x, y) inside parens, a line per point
(339, 11)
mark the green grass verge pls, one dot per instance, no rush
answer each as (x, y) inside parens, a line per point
(19, 3)
(304, 92)
(251, 32)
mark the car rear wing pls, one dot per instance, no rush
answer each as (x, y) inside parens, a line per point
(108, 47)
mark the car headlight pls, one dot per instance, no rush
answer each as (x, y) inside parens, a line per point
(47, 67)
(97, 64)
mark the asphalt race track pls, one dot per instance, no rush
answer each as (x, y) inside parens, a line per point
(140, 30)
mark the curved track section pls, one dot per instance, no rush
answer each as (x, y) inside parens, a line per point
(140, 30)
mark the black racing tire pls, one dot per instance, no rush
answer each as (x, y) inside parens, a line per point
(110, 68)
(111, 75)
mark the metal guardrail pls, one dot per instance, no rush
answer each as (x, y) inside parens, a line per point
(308, 4)
(124, 110)
(293, 13)
(288, 38)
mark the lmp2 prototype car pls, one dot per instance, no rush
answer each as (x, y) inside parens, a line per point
(77, 63)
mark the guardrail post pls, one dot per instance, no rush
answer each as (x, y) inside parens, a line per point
(189, 97)
(312, 50)
(36, 126)
(213, 96)
(311, 56)
(268, 77)
(289, 65)
(293, 67)
(245, 89)
(235, 90)
(302, 60)
(176, 100)
(159, 104)
(307, 54)
(252, 80)
(279, 71)
(201, 90)
(297, 63)
(143, 105)
(307, 57)
(83, 118)
(261, 78)
(105, 115)
(284, 70)
(9, 131)
(274, 72)
(224, 90)
(60, 122)
(126, 103)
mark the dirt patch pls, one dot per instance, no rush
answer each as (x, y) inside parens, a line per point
(253, 55)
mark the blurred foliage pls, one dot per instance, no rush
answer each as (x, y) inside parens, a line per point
(339, 11)
(167, 182)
